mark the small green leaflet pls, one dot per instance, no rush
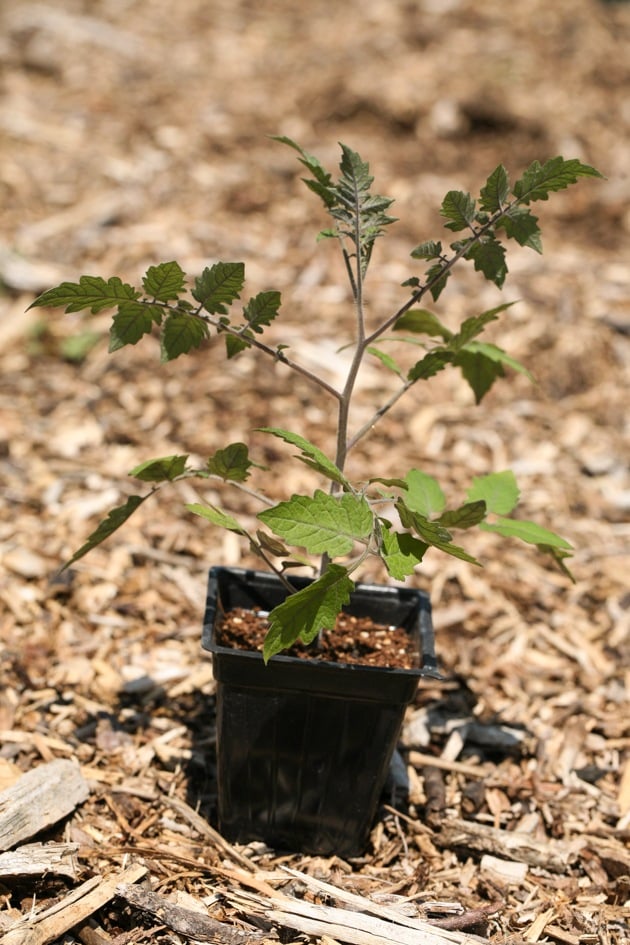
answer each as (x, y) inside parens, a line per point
(459, 209)
(311, 455)
(262, 309)
(302, 615)
(432, 363)
(321, 523)
(163, 469)
(424, 493)
(180, 334)
(422, 322)
(90, 292)
(132, 321)
(431, 532)
(401, 553)
(386, 360)
(115, 518)
(539, 180)
(494, 353)
(495, 191)
(527, 531)
(431, 249)
(164, 282)
(521, 225)
(231, 463)
(479, 371)
(498, 490)
(473, 326)
(466, 516)
(216, 516)
(488, 256)
(437, 277)
(219, 285)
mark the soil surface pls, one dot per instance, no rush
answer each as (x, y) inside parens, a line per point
(133, 133)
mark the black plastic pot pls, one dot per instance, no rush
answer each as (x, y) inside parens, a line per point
(304, 747)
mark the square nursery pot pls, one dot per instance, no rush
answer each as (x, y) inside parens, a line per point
(303, 746)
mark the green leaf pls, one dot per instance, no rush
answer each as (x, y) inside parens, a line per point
(115, 518)
(216, 517)
(499, 491)
(431, 532)
(422, 322)
(539, 180)
(401, 552)
(231, 463)
(308, 160)
(466, 516)
(459, 209)
(302, 615)
(90, 292)
(473, 326)
(311, 455)
(219, 285)
(496, 190)
(527, 531)
(424, 493)
(478, 370)
(488, 256)
(437, 277)
(262, 309)
(521, 225)
(234, 345)
(559, 555)
(321, 523)
(131, 322)
(163, 469)
(431, 249)
(180, 334)
(431, 364)
(386, 360)
(165, 281)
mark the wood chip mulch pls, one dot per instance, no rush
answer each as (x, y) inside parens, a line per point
(133, 133)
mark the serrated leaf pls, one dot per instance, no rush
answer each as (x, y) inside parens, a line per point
(401, 553)
(423, 493)
(132, 321)
(422, 322)
(301, 616)
(431, 364)
(488, 256)
(430, 249)
(466, 516)
(498, 490)
(473, 326)
(163, 469)
(115, 518)
(539, 180)
(219, 285)
(431, 532)
(216, 517)
(321, 523)
(180, 334)
(437, 277)
(478, 370)
(495, 191)
(311, 455)
(527, 531)
(386, 360)
(521, 225)
(231, 463)
(459, 209)
(308, 160)
(90, 292)
(262, 309)
(165, 281)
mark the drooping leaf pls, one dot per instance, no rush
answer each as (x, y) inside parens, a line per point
(495, 191)
(539, 180)
(180, 334)
(401, 552)
(162, 469)
(219, 285)
(431, 249)
(459, 209)
(216, 517)
(115, 518)
(473, 326)
(311, 455)
(423, 493)
(466, 516)
(478, 370)
(90, 293)
(231, 463)
(432, 363)
(165, 281)
(498, 490)
(302, 615)
(527, 531)
(437, 277)
(521, 225)
(559, 555)
(132, 321)
(386, 360)
(234, 344)
(262, 309)
(488, 256)
(322, 177)
(271, 544)
(321, 523)
(431, 532)
(422, 322)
